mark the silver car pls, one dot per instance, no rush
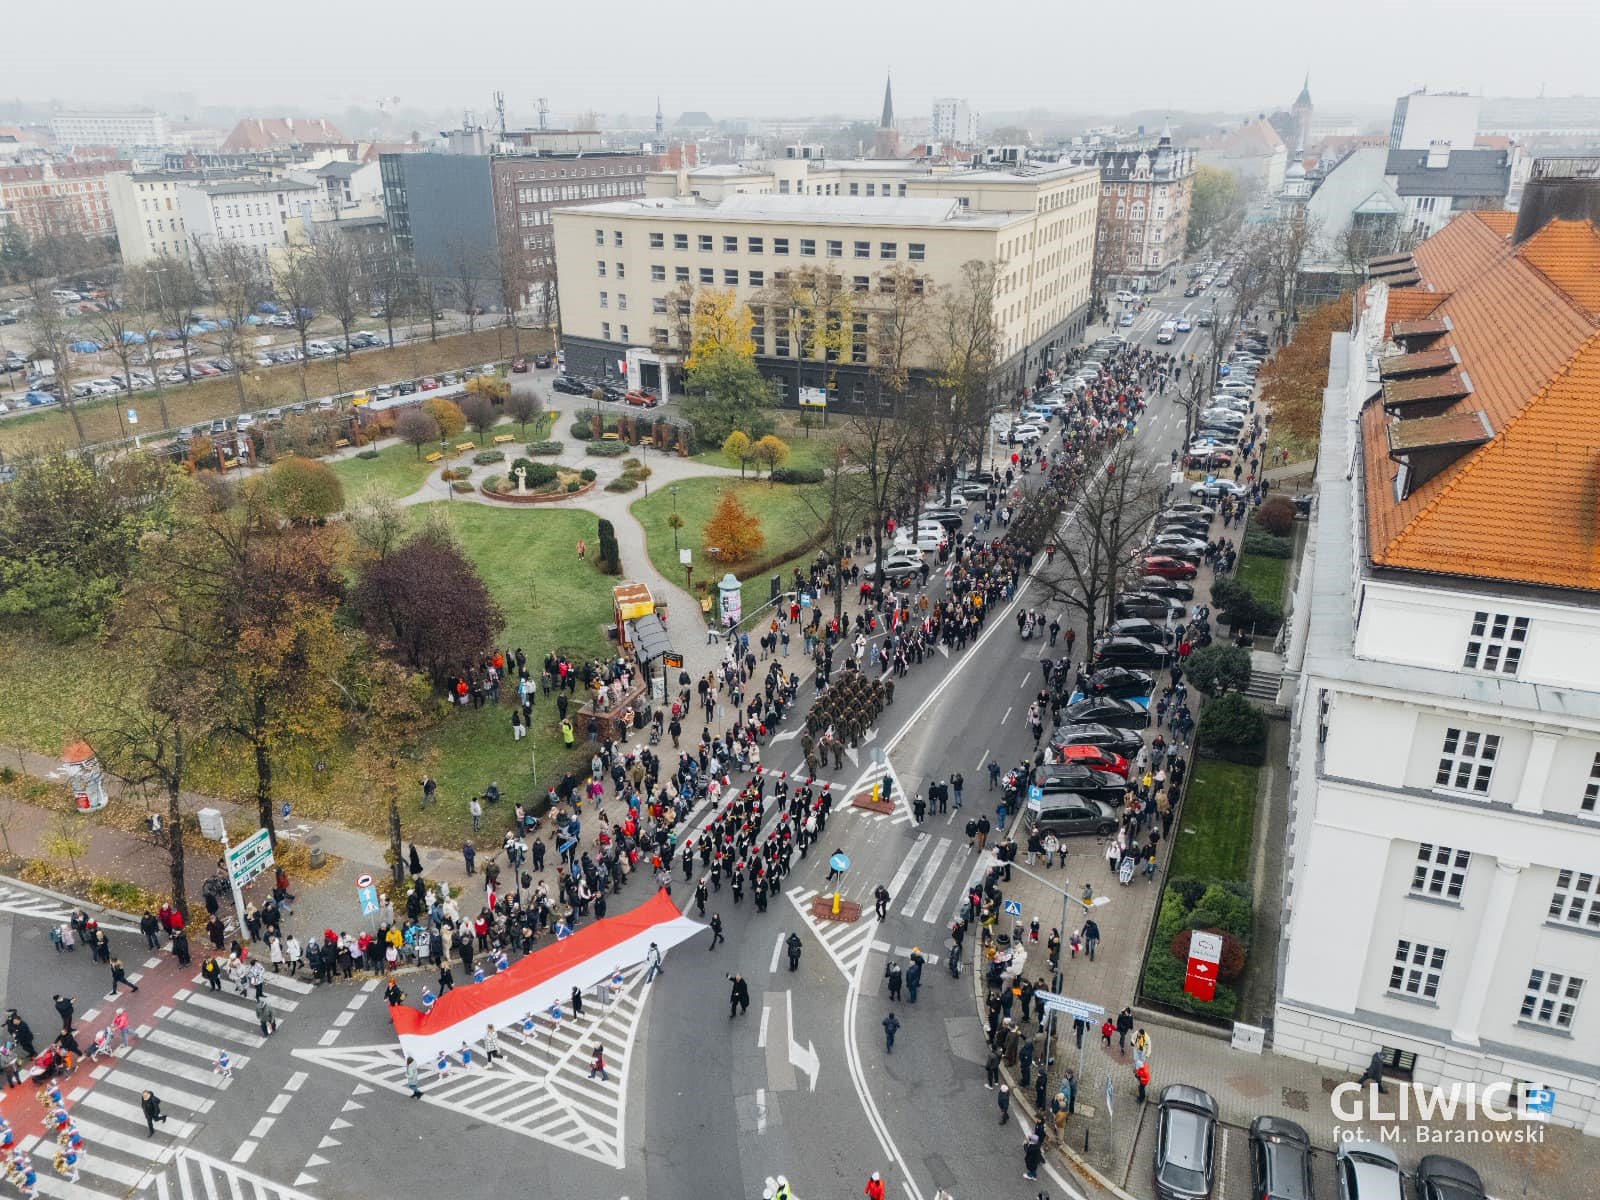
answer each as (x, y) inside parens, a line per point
(1186, 1143)
(1368, 1171)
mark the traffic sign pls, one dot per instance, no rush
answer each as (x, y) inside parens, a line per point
(839, 862)
(1035, 792)
(366, 895)
(250, 857)
(1109, 1112)
(1538, 1104)
(1081, 1010)
(1013, 908)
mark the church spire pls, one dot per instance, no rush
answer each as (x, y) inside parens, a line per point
(888, 105)
(1304, 98)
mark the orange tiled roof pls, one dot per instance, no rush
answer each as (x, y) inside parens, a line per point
(1567, 253)
(1518, 334)
(1499, 220)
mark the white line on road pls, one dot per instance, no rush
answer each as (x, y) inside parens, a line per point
(1003, 720)
(242, 1154)
(929, 873)
(761, 1033)
(1061, 1182)
(761, 1110)
(777, 953)
(909, 861)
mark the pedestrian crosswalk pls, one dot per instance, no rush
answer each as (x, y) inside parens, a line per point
(174, 1058)
(27, 903)
(539, 1088)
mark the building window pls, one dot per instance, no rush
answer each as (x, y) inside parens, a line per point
(855, 189)
(783, 187)
(616, 238)
(1576, 900)
(622, 303)
(872, 189)
(1416, 969)
(862, 284)
(1495, 643)
(622, 271)
(780, 245)
(680, 274)
(605, 330)
(658, 273)
(916, 251)
(599, 237)
(863, 249)
(1440, 871)
(680, 241)
(624, 330)
(708, 276)
(808, 247)
(659, 336)
(1591, 790)
(730, 278)
(730, 245)
(659, 305)
(600, 268)
(658, 241)
(1551, 998)
(704, 243)
(755, 245)
(1467, 761)
(902, 189)
(758, 279)
(605, 299)
(888, 249)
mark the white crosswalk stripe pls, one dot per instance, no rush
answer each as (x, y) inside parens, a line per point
(172, 1057)
(847, 943)
(929, 873)
(541, 1089)
(25, 903)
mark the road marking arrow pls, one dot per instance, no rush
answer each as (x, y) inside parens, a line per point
(785, 736)
(803, 1057)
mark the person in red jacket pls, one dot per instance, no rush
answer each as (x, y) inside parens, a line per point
(1142, 1074)
(874, 1188)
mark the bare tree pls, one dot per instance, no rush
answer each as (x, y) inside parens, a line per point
(1279, 249)
(118, 328)
(479, 412)
(417, 428)
(469, 275)
(339, 278)
(837, 509)
(168, 288)
(524, 405)
(387, 289)
(52, 339)
(236, 281)
(514, 281)
(1120, 498)
(296, 281)
(966, 340)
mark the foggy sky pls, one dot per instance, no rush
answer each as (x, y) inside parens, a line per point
(758, 58)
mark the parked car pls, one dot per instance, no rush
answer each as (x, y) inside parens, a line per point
(1095, 758)
(1076, 779)
(1280, 1160)
(1125, 742)
(640, 399)
(1186, 1143)
(428, 383)
(1367, 1171)
(1120, 683)
(1097, 710)
(1128, 652)
(1167, 568)
(519, 365)
(1440, 1177)
(1067, 814)
(1217, 488)
(542, 361)
(899, 562)
(1150, 606)
(569, 385)
(1177, 544)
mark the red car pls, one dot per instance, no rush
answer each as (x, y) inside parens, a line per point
(519, 364)
(1095, 758)
(640, 399)
(429, 384)
(1167, 568)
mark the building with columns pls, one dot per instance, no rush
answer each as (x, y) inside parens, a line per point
(1442, 868)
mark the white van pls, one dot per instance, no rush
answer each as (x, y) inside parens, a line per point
(1168, 331)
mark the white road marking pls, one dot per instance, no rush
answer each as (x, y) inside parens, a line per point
(761, 1034)
(909, 861)
(930, 871)
(761, 1110)
(777, 953)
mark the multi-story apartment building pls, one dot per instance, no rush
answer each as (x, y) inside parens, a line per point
(622, 264)
(1144, 212)
(447, 210)
(254, 213)
(148, 211)
(55, 198)
(955, 123)
(109, 128)
(1442, 875)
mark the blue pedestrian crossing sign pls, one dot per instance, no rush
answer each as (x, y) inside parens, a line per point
(1013, 908)
(367, 895)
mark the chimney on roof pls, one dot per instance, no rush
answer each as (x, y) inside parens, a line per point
(1438, 155)
(1564, 188)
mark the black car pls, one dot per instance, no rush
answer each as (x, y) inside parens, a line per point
(1138, 627)
(1119, 683)
(1280, 1160)
(1149, 605)
(613, 393)
(1441, 1178)
(1127, 652)
(1080, 781)
(1119, 741)
(948, 517)
(1157, 585)
(569, 385)
(542, 361)
(1184, 523)
(1098, 710)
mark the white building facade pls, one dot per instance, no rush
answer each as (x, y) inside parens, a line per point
(251, 213)
(109, 128)
(954, 123)
(1442, 871)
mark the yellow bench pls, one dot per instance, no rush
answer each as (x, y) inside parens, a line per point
(341, 443)
(500, 439)
(610, 437)
(463, 447)
(434, 457)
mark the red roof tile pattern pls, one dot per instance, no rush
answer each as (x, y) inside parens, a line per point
(1498, 220)
(1414, 303)
(277, 133)
(1567, 253)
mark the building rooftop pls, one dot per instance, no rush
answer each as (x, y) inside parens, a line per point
(1524, 507)
(241, 187)
(1468, 173)
(814, 210)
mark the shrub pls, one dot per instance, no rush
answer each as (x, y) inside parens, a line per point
(631, 464)
(367, 454)
(1232, 728)
(492, 483)
(1268, 545)
(1231, 964)
(461, 485)
(637, 472)
(1219, 668)
(539, 474)
(1276, 515)
(545, 447)
(447, 414)
(796, 475)
(610, 553)
(623, 483)
(608, 449)
(484, 457)
(462, 472)
(302, 489)
(573, 485)
(587, 475)
(581, 430)
(732, 532)
(1163, 973)
(1242, 610)
(1226, 908)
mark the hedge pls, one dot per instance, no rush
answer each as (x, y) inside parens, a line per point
(587, 475)
(624, 483)
(547, 447)
(614, 449)
(1163, 973)
(1268, 545)
(538, 474)
(461, 485)
(581, 430)
(368, 453)
(795, 475)
(484, 457)
(1233, 729)
(1240, 609)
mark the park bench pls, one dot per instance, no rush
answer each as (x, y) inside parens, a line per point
(341, 443)
(434, 457)
(463, 447)
(500, 439)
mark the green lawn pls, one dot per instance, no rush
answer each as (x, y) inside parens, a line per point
(785, 520)
(1212, 836)
(1264, 576)
(396, 472)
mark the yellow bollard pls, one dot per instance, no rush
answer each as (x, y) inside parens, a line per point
(836, 904)
(874, 793)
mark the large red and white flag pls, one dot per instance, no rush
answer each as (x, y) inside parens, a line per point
(543, 978)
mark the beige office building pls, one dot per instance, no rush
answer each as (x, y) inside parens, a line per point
(622, 264)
